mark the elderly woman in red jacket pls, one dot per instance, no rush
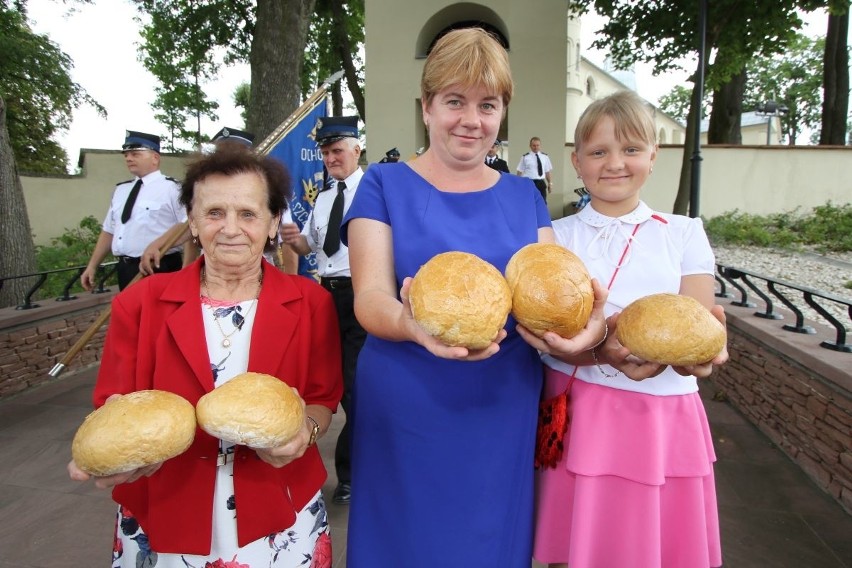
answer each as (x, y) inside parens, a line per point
(191, 331)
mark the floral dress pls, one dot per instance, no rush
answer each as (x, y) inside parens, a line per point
(307, 543)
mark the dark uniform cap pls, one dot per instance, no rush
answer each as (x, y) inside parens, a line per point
(140, 141)
(330, 129)
(392, 153)
(234, 135)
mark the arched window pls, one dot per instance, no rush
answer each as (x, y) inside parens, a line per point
(591, 88)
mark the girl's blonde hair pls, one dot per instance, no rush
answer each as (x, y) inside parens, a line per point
(469, 57)
(631, 115)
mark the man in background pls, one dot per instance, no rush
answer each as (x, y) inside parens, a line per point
(391, 156)
(492, 160)
(337, 138)
(536, 165)
(142, 209)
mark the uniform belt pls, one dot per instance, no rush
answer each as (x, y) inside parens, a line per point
(336, 282)
(136, 259)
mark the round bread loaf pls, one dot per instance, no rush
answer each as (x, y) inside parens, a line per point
(670, 329)
(551, 290)
(135, 430)
(460, 299)
(252, 409)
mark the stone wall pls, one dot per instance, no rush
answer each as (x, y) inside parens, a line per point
(797, 393)
(33, 341)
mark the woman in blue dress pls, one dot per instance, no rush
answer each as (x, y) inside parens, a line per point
(443, 451)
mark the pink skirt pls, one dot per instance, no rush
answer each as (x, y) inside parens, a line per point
(635, 486)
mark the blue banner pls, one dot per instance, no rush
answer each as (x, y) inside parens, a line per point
(300, 153)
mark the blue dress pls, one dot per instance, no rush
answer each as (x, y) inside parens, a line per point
(442, 458)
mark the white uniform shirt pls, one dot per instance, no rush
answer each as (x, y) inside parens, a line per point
(664, 248)
(316, 227)
(529, 167)
(157, 209)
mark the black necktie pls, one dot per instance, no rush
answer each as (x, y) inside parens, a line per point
(332, 235)
(540, 169)
(131, 199)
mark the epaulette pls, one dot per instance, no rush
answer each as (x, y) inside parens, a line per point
(545, 153)
(170, 178)
(123, 182)
(527, 154)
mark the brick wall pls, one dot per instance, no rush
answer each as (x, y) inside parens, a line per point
(796, 392)
(33, 341)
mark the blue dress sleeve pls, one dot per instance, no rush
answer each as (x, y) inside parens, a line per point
(369, 201)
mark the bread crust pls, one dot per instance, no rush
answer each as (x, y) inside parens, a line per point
(460, 299)
(670, 329)
(135, 430)
(252, 409)
(551, 290)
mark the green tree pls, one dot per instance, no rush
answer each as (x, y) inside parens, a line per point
(676, 103)
(73, 248)
(35, 82)
(276, 57)
(794, 80)
(336, 33)
(241, 99)
(183, 42)
(16, 244)
(664, 33)
(37, 97)
(836, 75)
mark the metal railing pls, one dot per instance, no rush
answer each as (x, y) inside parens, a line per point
(727, 276)
(105, 272)
(742, 279)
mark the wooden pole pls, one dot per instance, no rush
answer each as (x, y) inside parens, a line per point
(175, 232)
(171, 237)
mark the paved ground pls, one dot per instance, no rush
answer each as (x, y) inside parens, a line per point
(771, 513)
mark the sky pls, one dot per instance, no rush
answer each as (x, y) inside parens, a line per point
(102, 40)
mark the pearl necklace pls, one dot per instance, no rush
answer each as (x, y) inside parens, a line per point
(226, 337)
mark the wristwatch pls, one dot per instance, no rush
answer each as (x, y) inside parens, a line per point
(314, 431)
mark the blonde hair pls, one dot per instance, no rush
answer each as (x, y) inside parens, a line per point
(631, 115)
(468, 57)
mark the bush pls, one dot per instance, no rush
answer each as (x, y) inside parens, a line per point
(826, 228)
(829, 227)
(71, 249)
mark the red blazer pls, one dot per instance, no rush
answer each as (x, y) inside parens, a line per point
(156, 340)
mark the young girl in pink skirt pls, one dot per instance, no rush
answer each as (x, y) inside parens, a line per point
(634, 486)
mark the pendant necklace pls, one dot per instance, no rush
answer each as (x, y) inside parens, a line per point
(237, 318)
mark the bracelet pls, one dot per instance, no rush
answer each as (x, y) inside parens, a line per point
(314, 430)
(601, 342)
(600, 368)
(594, 351)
